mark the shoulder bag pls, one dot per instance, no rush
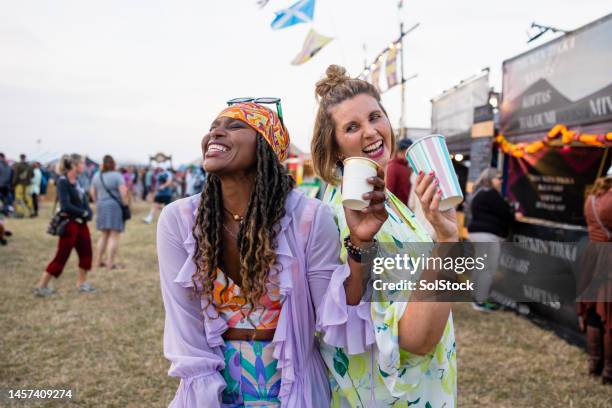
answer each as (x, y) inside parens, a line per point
(59, 221)
(126, 214)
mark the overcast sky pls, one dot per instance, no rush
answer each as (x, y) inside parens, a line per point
(132, 78)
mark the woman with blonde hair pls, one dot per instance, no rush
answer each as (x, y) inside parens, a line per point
(74, 205)
(410, 358)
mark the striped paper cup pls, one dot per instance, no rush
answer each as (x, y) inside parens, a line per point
(431, 154)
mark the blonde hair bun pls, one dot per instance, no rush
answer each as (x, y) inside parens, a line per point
(335, 75)
(67, 162)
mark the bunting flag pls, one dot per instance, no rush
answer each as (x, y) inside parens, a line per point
(313, 43)
(375, 76)
(391, 67)
(300, 12)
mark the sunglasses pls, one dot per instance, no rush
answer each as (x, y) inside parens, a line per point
(264, 101)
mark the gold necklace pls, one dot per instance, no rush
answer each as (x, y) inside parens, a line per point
(236, 217)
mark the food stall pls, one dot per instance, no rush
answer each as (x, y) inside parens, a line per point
(555, 134)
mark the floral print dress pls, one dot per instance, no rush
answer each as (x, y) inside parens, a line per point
(385, 375)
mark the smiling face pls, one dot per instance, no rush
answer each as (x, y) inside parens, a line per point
(363, 129)
(229, 146)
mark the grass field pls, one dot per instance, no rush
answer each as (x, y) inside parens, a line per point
(107, 346)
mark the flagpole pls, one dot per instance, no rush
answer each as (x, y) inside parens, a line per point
(403, 84)
(365, 57)
(365, 72)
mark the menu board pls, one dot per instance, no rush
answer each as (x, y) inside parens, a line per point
(552, 183)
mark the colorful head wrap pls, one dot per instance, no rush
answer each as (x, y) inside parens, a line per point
(265, 122)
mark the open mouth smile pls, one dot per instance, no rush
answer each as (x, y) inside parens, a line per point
(375, 149)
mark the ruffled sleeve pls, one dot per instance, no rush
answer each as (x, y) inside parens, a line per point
(341, 325)
(185, 342)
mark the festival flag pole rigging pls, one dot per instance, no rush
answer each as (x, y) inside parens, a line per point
(390, 51)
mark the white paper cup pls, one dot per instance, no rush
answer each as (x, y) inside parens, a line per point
(431, 154)
(355, 184)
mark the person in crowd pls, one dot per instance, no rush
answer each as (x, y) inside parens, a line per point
(200, 179)
(596, 313)
(148, 183)
(163, 194)
(127, 181)
(74, 205)
(193, 180)
(141, 182)
(176, 177)
(22, 177)
(491, 219)
(3, 240)
(3, 231)
(411, 358)
(109, 192)
(6, 180)
(44, 180)
(398, 172)
(135, 182)
(179, 184)
(259, 256)
(34, 187)
(84, 179)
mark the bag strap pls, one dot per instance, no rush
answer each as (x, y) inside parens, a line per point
(55, 204)
(603, 227)
(108, 191)
(56, 196)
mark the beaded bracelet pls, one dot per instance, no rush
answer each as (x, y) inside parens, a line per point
(359, 254)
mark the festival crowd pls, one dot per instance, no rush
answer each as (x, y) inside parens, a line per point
(265, 288)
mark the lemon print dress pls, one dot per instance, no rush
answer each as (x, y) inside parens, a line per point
(385, 375)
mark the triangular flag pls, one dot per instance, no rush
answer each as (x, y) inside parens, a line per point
(391, 68)
(313, 43)
(375, 76)
(300, 12)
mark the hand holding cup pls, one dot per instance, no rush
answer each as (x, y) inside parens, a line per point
(368, 212)
(429, 193)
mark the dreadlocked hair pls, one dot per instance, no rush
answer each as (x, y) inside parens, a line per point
(257, 236)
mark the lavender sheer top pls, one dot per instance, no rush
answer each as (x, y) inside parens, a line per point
(311, 278)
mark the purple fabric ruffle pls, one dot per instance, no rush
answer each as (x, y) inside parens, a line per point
(348, 327)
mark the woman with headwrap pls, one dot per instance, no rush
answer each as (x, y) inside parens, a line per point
(245, 272)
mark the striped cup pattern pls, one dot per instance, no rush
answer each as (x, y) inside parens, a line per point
(431, 154)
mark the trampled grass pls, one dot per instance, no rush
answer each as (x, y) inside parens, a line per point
(107, 346)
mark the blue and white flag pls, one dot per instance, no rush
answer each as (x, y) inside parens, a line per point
(300, 12)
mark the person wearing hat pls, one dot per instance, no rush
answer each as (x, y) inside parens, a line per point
(398, 172)
(246, 270)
